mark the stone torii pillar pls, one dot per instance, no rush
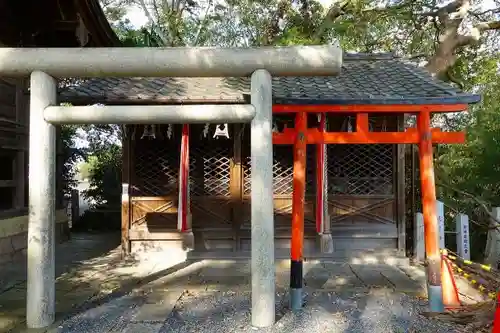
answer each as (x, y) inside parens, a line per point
(46, 63)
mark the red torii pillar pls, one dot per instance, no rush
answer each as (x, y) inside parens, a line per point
(424, 136)
(184, 206)
(299, 191)
(431, 228)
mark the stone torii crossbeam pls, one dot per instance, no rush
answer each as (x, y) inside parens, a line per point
(45, 65)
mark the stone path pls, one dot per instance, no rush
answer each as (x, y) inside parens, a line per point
(89, 267)
(97, 291)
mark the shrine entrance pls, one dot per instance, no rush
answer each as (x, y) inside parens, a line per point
(362, 134)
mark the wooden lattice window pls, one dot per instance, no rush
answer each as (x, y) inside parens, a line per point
(283, 160)
(156, 166)
(210, 167)
(282, 171)
(360, 169)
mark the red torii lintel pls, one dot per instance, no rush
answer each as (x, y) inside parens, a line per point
(423, 135)
(362, 135)
(411, 135)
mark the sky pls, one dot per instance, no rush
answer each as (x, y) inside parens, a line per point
(138, 19)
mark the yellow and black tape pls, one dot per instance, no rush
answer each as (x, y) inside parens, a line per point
(478, 283)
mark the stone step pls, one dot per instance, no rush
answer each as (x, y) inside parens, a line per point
(388, 257)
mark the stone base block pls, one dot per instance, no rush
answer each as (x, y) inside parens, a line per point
(325, 243)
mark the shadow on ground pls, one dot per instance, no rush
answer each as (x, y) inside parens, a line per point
(98, 291)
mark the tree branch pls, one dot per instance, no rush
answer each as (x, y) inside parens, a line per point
(154, 26)
(202, 24)
(481, 204)
(335, 11)
(344, 7)
(489, 11)
(483, 26)
(449, 8)
(476, 33)
(273, 29)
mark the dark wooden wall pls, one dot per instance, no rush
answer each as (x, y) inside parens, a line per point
(13, 147)
(364, 180)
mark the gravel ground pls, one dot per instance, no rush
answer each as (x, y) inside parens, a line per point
(375, 311)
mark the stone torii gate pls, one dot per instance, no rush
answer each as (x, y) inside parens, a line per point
(44, 65)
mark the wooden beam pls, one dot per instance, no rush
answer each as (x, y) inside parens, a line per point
(411, 136)
(375, 108)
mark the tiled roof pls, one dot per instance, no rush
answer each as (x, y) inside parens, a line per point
(364, 79)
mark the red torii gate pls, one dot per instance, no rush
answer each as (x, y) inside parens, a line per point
(423, 135)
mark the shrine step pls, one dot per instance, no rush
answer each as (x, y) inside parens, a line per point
(387, 257)
(225, 239)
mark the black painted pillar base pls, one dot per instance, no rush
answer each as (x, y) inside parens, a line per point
(296, 280)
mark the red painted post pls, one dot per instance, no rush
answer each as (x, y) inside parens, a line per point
(320, 165)
(299, 187)
(496, 321)
(429, 211)
(185, 177)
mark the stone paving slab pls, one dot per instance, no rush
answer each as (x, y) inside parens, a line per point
(104, 293)
(370, 277)
(158, 308)
(400, 280)
(341, 276)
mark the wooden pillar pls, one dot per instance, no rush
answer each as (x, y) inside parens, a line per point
(320, 167)
(413, 186)
(322, 218)
(126, 179)
(299, 187)
(19, 161)
(236, 184)
(400, 189)
(431, 230)
(59, 168)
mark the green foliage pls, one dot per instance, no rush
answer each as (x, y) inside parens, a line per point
(104, 161)
(105, 177)
(474, 167)
(70, 155)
